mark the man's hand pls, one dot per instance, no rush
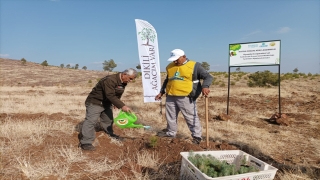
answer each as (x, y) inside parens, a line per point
(205, 91)
(158, 97)
(126, 109)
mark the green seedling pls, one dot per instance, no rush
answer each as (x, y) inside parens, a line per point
(153, 141)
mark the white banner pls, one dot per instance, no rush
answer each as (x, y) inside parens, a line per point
(254, 54)
(149, 59)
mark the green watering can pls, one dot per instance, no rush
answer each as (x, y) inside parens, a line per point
(127, 120)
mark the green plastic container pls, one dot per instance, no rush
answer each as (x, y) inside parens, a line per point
(127, 120)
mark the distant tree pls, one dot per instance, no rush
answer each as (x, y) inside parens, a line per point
(77, 66)
(238, 69)
(62, 65)
(109, 65)
(44, 63)
(84, 67)
(138, 67)
(295, 70)
(68, 66)
(206, 66)
(23, 61)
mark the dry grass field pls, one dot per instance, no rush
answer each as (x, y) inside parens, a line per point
(42, 107)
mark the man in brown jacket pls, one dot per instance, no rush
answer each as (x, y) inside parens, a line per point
(106, 93)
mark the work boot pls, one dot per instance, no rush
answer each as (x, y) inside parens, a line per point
(114, 136)
(164, 130)
(196, 140)
(87, 147)
(164, 134)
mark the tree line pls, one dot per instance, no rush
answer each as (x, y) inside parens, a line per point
(109, 65)
(45, 63)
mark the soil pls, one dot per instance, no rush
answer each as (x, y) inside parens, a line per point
(167, 149)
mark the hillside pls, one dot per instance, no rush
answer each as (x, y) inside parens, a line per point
(14, 73)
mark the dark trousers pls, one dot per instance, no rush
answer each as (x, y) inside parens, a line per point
(93, 112)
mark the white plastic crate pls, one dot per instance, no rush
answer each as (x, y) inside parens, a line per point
(189, 171)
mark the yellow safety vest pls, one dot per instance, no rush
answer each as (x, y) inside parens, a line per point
(180, 79)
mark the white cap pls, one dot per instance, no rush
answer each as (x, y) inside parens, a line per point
(175, 54)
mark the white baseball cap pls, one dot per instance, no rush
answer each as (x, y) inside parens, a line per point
(175, 54)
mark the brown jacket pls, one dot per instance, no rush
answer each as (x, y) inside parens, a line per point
(107, 91)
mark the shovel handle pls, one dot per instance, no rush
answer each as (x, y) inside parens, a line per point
(207, 120)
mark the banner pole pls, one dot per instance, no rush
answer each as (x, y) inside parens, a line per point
(161, 109)
(228, 91)
(207, 121)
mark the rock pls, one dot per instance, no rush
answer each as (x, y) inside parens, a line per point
(223, 117)
(282, 121)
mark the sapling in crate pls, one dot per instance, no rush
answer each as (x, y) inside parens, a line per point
(213, 167)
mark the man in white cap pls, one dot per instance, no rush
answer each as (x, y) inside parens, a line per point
(182, 87)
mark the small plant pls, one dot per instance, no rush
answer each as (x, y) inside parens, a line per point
(90, 81)
(153, 141)
(233, 83)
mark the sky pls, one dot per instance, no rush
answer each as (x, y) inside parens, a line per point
(89, 32)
